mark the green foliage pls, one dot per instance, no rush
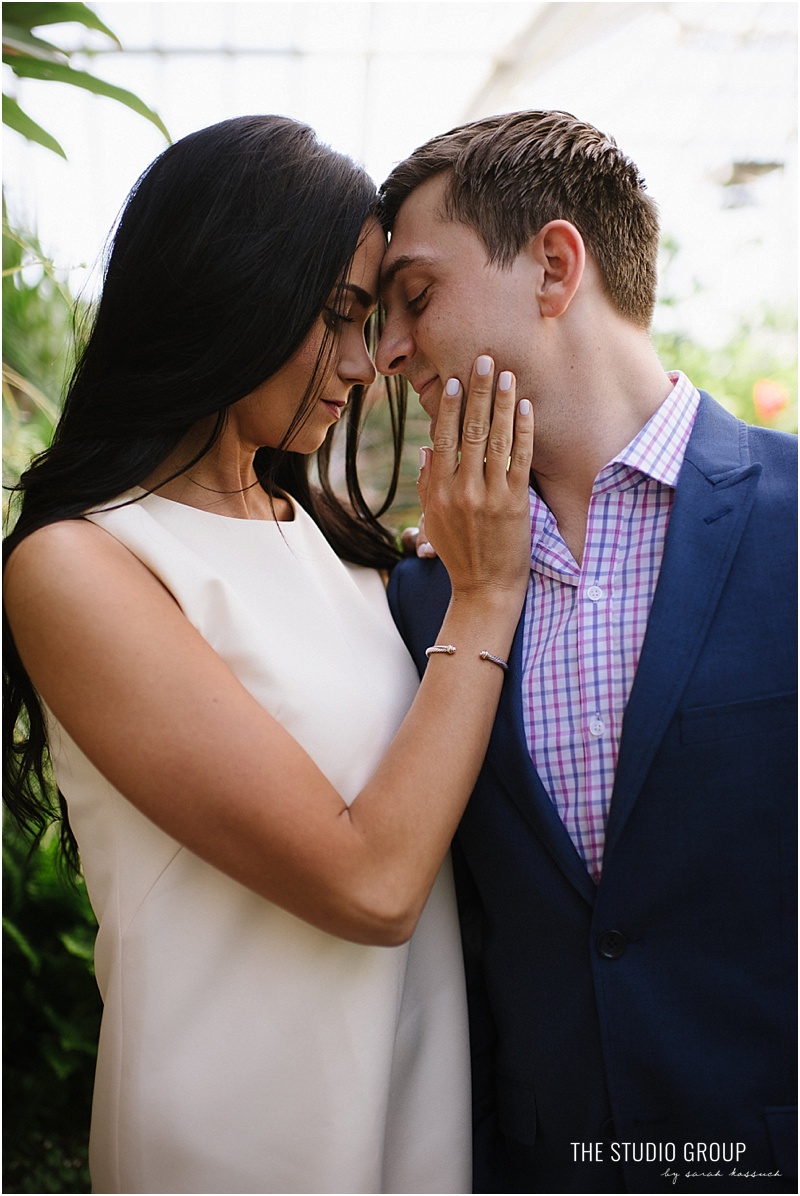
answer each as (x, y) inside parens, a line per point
(37, 349)
(51, 1003)
(31, 57)
(24, 17)
(16, 119)
(37, 341)
(51, 1020)
(375, 458)
(754, 374)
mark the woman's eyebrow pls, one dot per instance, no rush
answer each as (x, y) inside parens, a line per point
(361, 296)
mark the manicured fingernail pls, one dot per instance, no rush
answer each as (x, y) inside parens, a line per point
(524, 407)
(482, 366)
(422, 457)
(505, 380)
(426, 549)
(453, 386)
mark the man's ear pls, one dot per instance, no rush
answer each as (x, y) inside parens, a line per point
(559, 252)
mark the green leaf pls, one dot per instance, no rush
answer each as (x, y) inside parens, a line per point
(22, 944)
(70, 1036)
(15, 118)
(13, 379)
(62, 1063)
(81, 946)
(30, 16)
(19, 41)
(27, 68)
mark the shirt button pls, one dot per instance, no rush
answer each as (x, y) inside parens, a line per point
(595, 593)
(597, 726)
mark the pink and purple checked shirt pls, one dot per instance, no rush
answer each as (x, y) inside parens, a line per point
(585, 625)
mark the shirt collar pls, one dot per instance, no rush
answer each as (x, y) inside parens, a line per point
(658, 449)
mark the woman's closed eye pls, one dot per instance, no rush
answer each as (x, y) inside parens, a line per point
(334, 319)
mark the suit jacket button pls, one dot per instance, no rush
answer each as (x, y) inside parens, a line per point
(612, 944)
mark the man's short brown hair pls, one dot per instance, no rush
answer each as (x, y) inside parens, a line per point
(510, 175)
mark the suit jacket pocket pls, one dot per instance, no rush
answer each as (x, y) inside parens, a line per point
(760, 716)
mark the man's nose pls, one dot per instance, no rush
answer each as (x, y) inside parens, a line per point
(395, 348)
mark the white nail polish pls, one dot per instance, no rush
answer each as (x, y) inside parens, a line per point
(482, 366)
(505, 380)
(453, 386)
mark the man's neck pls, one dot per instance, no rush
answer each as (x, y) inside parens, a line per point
(583, 423)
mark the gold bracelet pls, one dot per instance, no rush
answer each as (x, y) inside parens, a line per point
(449, 649)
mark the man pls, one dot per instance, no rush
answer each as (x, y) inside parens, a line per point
(626, 862)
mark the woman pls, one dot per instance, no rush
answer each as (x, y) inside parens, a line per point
(261, 803)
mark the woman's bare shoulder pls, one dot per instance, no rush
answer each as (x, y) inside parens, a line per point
(65, 536)
(65, 565)
(63, 549)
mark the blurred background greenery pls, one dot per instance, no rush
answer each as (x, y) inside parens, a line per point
(51, 1004)
(51, 1019)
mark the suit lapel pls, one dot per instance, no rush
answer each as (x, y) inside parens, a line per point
(713, 498)
(509, 759)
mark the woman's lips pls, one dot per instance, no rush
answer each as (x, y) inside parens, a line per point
(335, 409)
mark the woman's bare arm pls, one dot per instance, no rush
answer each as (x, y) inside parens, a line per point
(167, 723)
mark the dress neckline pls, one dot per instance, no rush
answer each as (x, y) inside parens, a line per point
(172, 502)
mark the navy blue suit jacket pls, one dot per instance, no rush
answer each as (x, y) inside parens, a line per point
(659, 1006)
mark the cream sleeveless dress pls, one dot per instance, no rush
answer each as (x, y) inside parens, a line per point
(241, 1049)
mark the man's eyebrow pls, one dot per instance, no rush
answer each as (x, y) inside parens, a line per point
(363, 297)
(402, 263)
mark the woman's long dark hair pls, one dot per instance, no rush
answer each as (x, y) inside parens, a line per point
(227, 250)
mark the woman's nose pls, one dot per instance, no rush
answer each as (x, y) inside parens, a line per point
(356, 366)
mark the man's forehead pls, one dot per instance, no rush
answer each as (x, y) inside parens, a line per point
(426, 235)
(416, 222)
(424, 203)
